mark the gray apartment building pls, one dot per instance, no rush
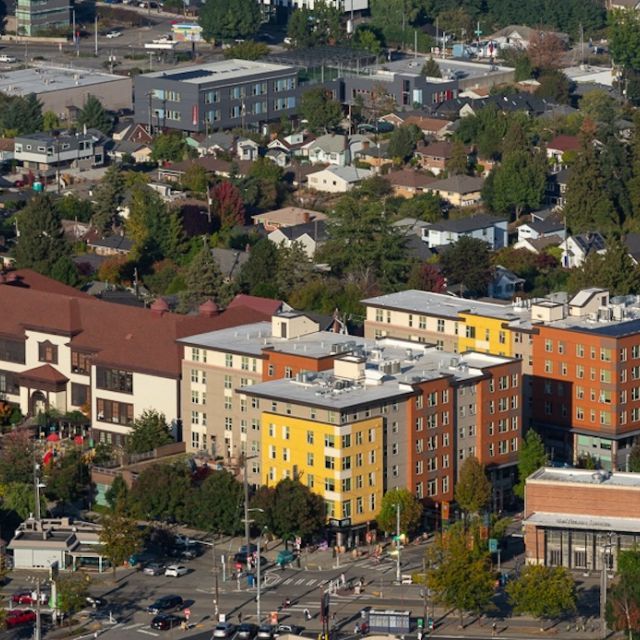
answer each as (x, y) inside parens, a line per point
(218, 95)
(35, 16)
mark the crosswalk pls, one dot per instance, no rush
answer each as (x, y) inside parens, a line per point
(139, 627)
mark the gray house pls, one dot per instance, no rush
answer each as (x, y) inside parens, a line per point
(217, 95)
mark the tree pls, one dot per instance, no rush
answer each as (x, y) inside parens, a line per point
(290, 509)
(41, 242)
(20, 498)
(410, 511)
(624, 38)
(120, 537)
(294, 269)
(298, 28)
(149, 224)
(425, 206)
(545, 50)
(473, 489)
(623, 599)
(265, 181)
(226, 19)
(369, 39)
(554, 85)
(263, 258)
(93, 116)
(168, 147)
(72, 591)
(50, 121)
(320, 110)
(532, 457)
(427, 277)
(203, 280)
(68, 477)
(459, 162)
(118, 492)
(460, 577)
(467, 263)
(431, 69)
(65, 270)
(109, 196)
(227, 205)
(148, 431)
(403, 142)
(16, 457)
(195, 178)
(216, 505)
(248, 50)
(543, 592)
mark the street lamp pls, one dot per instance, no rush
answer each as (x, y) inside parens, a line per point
(247, 522)
(606, 547)
(258, 592)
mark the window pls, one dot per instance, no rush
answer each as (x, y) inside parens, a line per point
(80, 362)
(329, 462)
(285, 433)
(288, 372)
(12, 351)
(440, 325)
(79, 394)
(432, 487)
(309, 437)
(346, 463)
(470, 332)
(548, 366)
(115, 412)
(422, 322)
(114, 380)
(9, 383)
(329, 440)
(211, 97)
(47, 352)
(310, 480)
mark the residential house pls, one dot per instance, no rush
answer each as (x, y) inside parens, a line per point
(481, 226)
(434, 156)
(408, 183)
(7, 149)
(139, 151)
(278, 156)
(560, 145)
(247, 149)
(310, 235)
(552, 225)
(437, 128)
(519, 36)
(459, 190)
(331, 148)
(287, 217)
(214, 166)
(115, 245)
(212, 144)
(556, 187)
(376, 156)
(576, 248)
(292, 145)
(505, 284)
(539, 245)
(336, 179)
(230, 261)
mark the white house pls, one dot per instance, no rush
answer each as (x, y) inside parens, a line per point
(335, 179)
(505, 284)
(552, 225)
(482, 226)
(309, 235)
(331, 148)
(575, 249)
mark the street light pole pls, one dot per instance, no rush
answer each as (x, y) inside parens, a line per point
(398, 578)
(606, 547)
(258, 612)
(215, 578)
(245, 483)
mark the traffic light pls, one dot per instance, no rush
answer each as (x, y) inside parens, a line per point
(430, 623)
(420, 623)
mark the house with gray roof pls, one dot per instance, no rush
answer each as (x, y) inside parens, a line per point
(309, 235)
(576, 248)
(336, 179)
(482, 226)
(459, 190)
(552, 225)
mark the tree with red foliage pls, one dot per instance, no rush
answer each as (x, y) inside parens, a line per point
(227, 205)
(545, 50)
(427, 277)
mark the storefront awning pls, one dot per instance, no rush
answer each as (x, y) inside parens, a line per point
(590, 523)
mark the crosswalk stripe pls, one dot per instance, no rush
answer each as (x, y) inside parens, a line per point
(311, 582)
(300, 581)
(133, 626)
(288, 581)
(149, 633)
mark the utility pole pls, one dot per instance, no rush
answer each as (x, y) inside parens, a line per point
(245, 484)
(38, 630)
(95, 35)
(606, 551)
(215, 578)
(398, 577)
(36, 484)
(258, 612)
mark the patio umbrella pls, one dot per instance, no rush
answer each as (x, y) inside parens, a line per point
(53, 437)
(78, 439)
(47, 457)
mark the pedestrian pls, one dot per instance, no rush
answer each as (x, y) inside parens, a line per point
(343, 579)
(239, 617)
(356, 629)
(307, 615)
(494, 629)
(333, 617)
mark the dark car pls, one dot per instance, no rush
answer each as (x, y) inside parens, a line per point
(265, 632)
(252, 548)
(166, 603)
(247, 631)
(96, 602)
(167, 621)
(19, 616)
(154, 569)
(241, 558)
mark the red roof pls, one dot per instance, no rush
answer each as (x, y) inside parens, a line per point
(565, 143)
(263, 305)
(118, 335)
(45, 373)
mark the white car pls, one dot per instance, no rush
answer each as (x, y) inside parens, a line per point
(114, 34)
(176, 570)
(5, 58)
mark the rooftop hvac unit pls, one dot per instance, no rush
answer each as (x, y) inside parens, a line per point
(395, 366)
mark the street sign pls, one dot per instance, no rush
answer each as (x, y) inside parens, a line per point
(187, 613)
(493, 545)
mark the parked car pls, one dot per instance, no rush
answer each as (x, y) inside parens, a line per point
(184, 541)
(154, 569)
(265, 632)
(29, 597)
(285, 557)
(8, 59)
(96, 601)
(166, 621)
(114, 34)
(281, 629)
(224, 630)
(241, 559)
(247, 631)
(166, 603)
(17, 617)
(176, 570)
(252, 548)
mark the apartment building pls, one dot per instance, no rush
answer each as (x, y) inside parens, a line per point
(65, 350)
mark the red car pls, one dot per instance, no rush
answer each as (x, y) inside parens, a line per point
(19, 616)
(29, 597)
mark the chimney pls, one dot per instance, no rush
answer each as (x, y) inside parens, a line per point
(306, 216)
(159, 307)
(208, 309)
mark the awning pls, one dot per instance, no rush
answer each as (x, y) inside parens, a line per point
(589, 523)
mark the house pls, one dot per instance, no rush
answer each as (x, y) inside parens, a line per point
(437, 128)
(62, 349)
(482, 226)
(460, 190)
(309, 235)
(376, 156)
(115, 245)
(560, 145)
(331, 148)
(434, 156)
(336, 179)
(212, 144)
(138, 133)
(230, 261)
(7, 146)
(408, 183)
(247, 149)
(576, 248)
(553, 225)
(293, 144)
(539, 245)
(519, 36)
(505, 284)
(279, 156)
(287, 217)
(212, 165)
(139, 151)
(556, 187)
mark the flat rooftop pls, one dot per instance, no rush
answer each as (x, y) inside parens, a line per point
(224, 70)
(22, 82)
(586, 477)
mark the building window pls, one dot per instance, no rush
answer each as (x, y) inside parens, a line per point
(114, 380)
(470, 332)
(115, 412)
(80, 362)
(329, 440)
(79, 394)
(9, 382)
(12, 351)
(47, 352)
(329, 462)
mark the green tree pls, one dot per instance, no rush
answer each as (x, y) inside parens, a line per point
(118, 492)
(50, 121)
(554, 85)
(65, 270)
(599, 106)
(120, 537)
(169, 147)
(410, 511)
(403, 142)
(16, 457)
(162, 492)
(543, 592)
(623, 599)
(459, 162)
(369, 39)
(148, 224)
(248, 50)
(473, 489)
(20, 498)
(72, 590)
(425, 206)
(93, 115)
(265, 181)
(298, 28)
(431, 69)
(109, 196)
(174, 244)
(294, 269)
(290, 508)
(203, 280)
(216, 504)
(225, 19)
(467, 263)
(195, 179)
(148, 431)
(460, 577)
(320, 110)
(263, 258)
(68, 477)
(624, 38)
(41, 242)
(71, 207)
(532, 457)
